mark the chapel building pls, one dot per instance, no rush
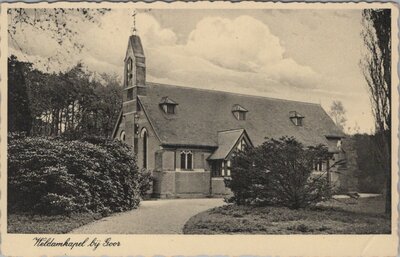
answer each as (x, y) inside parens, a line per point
(186, 136)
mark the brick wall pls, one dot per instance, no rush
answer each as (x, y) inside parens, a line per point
(219, 188)
(169, 183)
(164, 184)
(192, 182)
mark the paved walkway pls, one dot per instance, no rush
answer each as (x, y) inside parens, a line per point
(152, 217)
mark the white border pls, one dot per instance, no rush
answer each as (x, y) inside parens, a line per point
(148, 245)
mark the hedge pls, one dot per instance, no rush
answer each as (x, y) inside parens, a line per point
(60, 176)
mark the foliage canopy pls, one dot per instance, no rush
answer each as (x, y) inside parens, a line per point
(51, 104)
(62, 176)
(279, 172)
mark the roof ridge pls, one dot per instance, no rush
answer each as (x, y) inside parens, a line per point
(230, 130)
(232, 93)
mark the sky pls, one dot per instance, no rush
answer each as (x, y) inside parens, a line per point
(304, 55)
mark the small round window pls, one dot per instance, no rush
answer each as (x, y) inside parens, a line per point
(122, 136)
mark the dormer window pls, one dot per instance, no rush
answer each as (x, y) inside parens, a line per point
(168, 105)
(239, 112)
(296, 118)
(170, 109)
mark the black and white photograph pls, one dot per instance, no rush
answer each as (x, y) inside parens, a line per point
(200, 121)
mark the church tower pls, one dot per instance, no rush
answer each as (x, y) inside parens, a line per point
(134, 87)
(135, 69)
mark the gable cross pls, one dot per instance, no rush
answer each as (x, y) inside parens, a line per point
(134, 22)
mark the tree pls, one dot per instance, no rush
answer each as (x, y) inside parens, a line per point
(109, 103)
(376, 66)
(354, 130)
(54, 20)
(338, 113)
(279, 172)
(19, 114)
(74, 102)
(371, 176)
(58, 23)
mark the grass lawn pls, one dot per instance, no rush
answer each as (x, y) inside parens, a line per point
(38, 224)
(342, 216)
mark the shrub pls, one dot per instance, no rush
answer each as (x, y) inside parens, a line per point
(145, 181)
(62, 176)
(279, 172)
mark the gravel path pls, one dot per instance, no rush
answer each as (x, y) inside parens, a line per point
(152, 217)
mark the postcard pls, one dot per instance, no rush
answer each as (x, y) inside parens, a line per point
(203, 128)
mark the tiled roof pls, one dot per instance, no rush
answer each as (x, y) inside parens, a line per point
(136, 45)
(226, 141)
(166, 100)
(202, 113)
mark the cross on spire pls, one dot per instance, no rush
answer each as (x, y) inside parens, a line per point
(134, 22)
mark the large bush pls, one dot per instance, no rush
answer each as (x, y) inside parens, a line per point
(62, 176)
(279, 172)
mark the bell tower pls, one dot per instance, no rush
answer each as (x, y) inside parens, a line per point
(135, 66)
(135, 69)
(134, 86)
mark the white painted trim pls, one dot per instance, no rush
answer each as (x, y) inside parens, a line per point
(191, 171)
(129, 113)
(126, 102)
(126, 88)
(217, 178)
(186, 153)
(144, 129)
(122, 134)
(130, 87)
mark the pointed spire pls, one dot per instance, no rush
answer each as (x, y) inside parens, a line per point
(134, 23)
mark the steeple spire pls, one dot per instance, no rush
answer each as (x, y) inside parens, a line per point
(134, 23)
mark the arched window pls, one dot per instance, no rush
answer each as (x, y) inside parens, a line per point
(129, 73)
(122, 136)
(186, 160)
(144, 135)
